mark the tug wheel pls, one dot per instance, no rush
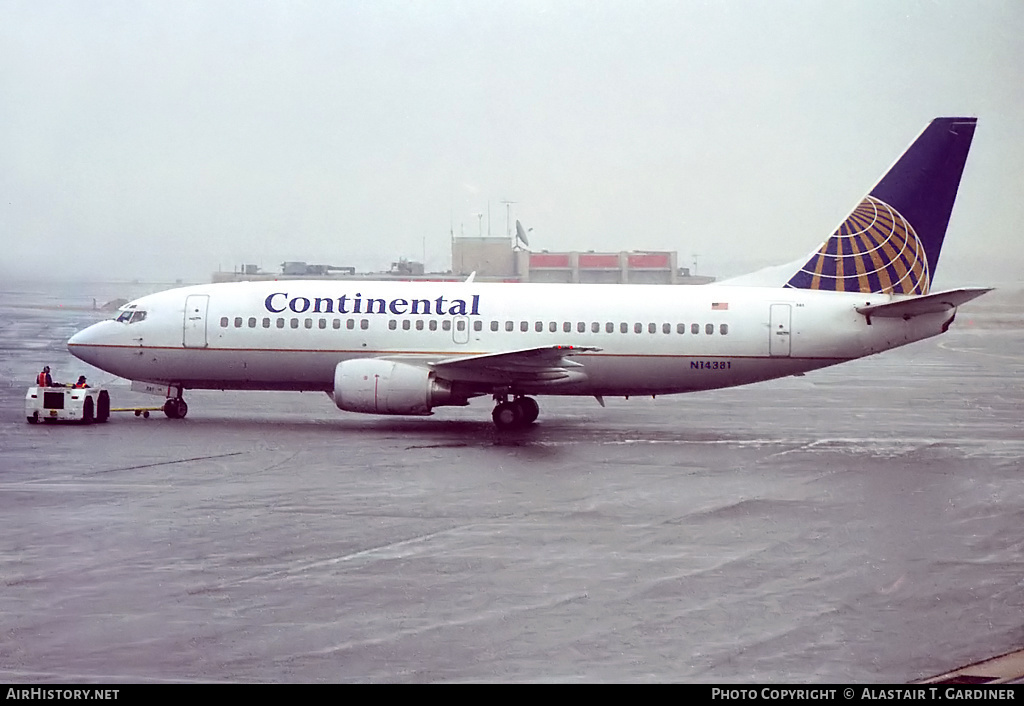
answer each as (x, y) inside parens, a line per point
(103, 406)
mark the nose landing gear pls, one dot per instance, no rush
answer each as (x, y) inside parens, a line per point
(517, 413)
(175, 408)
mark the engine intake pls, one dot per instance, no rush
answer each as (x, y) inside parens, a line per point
(375, 386)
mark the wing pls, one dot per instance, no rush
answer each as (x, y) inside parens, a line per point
(542, 366)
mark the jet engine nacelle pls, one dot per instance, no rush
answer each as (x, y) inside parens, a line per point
(375, 386)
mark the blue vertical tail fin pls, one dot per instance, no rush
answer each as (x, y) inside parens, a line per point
(892, 240)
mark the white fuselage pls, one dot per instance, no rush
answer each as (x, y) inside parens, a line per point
(653, 339)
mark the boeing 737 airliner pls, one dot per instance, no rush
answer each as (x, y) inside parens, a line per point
(408, 347)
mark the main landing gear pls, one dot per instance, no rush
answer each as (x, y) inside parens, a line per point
(175, 408)
(516, 413)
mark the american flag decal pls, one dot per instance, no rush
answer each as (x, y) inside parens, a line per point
(719, 306)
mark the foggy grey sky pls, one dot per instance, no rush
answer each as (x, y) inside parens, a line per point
(160, 140)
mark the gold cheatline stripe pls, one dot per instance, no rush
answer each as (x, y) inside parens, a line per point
(467, 353)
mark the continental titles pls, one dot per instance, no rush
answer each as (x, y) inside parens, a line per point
(279, 302)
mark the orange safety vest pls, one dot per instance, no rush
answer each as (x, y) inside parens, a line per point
(43, 379)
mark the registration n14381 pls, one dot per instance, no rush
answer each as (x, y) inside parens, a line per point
(710, 364)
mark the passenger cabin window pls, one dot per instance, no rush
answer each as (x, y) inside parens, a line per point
(238, 322)
(723, 329)
(223, 321)
(252, 322)
(280, 323)
(446, 325)
(364, 324)
(478, 325)
(694, 329)
(709, 329)
(266, 322)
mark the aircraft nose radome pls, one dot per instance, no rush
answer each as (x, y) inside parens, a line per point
(78, 345)
(83, 337)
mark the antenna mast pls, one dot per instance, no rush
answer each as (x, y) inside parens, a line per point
(508, 217)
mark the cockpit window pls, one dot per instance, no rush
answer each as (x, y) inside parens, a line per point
(131, 316)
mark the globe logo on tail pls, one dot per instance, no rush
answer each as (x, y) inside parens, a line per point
(874, 250)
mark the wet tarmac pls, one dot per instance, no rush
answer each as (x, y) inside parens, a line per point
(860, 524)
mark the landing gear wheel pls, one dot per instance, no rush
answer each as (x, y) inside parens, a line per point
(507, 415)
(529, 409)
(175, 408)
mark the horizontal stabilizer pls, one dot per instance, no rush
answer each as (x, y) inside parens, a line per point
(928, 304)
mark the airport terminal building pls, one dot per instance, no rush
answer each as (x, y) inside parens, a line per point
(496, 259)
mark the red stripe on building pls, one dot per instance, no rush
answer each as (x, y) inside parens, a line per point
(548, 260)
(658, 260)
(599, 262)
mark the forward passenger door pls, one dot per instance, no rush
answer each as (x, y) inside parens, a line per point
(194, 326)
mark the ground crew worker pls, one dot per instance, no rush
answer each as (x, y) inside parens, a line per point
(43, 379)
(81, 381)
